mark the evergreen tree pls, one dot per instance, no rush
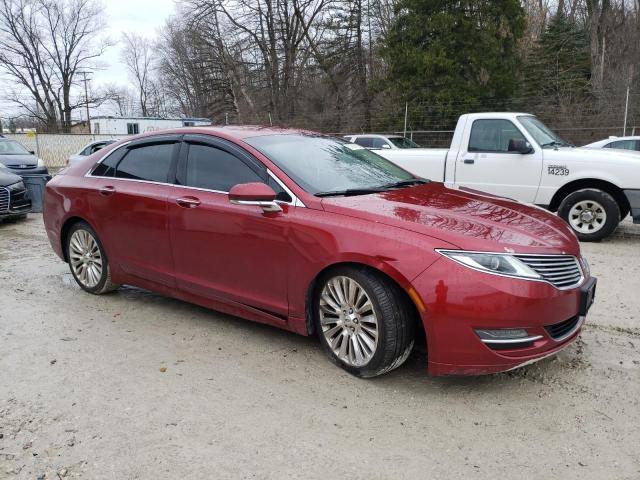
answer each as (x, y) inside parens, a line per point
(454, 56)
(557, 69)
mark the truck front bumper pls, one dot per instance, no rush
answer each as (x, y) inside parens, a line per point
(634, 201)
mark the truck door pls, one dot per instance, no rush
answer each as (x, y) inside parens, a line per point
(491, 159)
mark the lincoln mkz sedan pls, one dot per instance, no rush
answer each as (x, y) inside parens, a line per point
(321, 237)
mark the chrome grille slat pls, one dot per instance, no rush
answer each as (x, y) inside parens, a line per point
(562, 271)
(4, 199)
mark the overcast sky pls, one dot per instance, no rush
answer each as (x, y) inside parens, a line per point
(144, 17)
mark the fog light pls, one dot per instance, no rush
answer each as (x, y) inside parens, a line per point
(502, 334)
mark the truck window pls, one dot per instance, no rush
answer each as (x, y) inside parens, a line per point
(378, 142)
(493, 135)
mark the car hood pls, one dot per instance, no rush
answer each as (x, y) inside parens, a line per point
(468, 219)
(8, 178)
(13, 160)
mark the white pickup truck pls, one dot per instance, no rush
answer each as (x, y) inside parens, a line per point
(515, 155)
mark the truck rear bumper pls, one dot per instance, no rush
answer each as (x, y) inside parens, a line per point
(634, 201)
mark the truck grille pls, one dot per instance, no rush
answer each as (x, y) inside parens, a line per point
(4, 199)
(562, 271)
(560, 330)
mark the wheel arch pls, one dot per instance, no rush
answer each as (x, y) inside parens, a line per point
(595, 183)
(385, 270)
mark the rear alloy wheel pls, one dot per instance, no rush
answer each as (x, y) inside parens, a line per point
(363, 321)
(87, 260)
(592, 214)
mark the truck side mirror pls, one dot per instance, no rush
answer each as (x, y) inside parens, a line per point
(519, 145)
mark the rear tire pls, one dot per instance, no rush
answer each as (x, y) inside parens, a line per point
(88, 261)
(592, 214)
(363, 320)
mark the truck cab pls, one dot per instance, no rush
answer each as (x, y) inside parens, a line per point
(517, 156)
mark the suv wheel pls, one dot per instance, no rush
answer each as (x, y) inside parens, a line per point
(592, 214)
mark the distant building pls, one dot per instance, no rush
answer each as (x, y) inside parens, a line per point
(135, 125)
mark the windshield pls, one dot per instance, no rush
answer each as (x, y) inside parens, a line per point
(541, 133)
(402, 142)
(11, 147)
(322, 164)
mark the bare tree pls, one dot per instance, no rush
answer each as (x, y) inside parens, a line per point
(138, 57)
(43, 45)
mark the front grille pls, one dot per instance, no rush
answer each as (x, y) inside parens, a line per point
(560, 330)
(562, 271)
(4, 199)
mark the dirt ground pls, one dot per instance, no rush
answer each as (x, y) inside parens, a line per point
(137, 386)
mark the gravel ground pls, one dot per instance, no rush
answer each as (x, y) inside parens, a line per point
(134, 385)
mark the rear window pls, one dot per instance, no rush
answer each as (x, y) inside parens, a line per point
(150, 163)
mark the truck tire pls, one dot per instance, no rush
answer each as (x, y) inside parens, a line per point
(591, 213)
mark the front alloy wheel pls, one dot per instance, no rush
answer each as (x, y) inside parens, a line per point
(365, 322)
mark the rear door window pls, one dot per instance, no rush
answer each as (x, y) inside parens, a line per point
(150, 162)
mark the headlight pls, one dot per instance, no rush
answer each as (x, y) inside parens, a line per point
(16, 187)
(40, 163)
(496, 263)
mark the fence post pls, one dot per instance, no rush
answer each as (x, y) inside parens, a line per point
(406, 113)
(626, 111)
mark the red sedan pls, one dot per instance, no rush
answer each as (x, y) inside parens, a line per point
(317, 236)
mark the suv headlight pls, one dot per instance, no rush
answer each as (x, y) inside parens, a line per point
(16, 187)
(495, 263)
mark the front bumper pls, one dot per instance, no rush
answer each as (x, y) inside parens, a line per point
(14, 204)
(634, 201)
(459, 301)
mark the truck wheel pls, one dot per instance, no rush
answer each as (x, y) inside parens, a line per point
(592, 214)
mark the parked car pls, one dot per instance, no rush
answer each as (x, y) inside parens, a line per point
(318, 236)
(88, 149)
(621, 143)
(14, 199)
(20, 160)
(515, 155)
(375, 141)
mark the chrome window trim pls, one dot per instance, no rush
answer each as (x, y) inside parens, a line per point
(578, 284)
(296, 202)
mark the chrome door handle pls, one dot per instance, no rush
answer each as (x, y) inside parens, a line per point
(107, 190)
(188, 202)
(469, 161)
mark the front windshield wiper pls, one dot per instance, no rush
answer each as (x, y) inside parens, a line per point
(350, 191)
(405, 183)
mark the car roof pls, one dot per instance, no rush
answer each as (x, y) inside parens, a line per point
(234, 132)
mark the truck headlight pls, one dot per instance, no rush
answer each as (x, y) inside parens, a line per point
(496, 263)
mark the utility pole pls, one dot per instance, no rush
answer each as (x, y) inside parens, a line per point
(86, 99)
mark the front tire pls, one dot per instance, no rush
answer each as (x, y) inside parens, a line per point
(364, 322)
(592, 214)
(88, 261)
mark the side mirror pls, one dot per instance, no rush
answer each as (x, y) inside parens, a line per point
(32, 152)
(255, 194)
(385, 146)
(518, 145)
